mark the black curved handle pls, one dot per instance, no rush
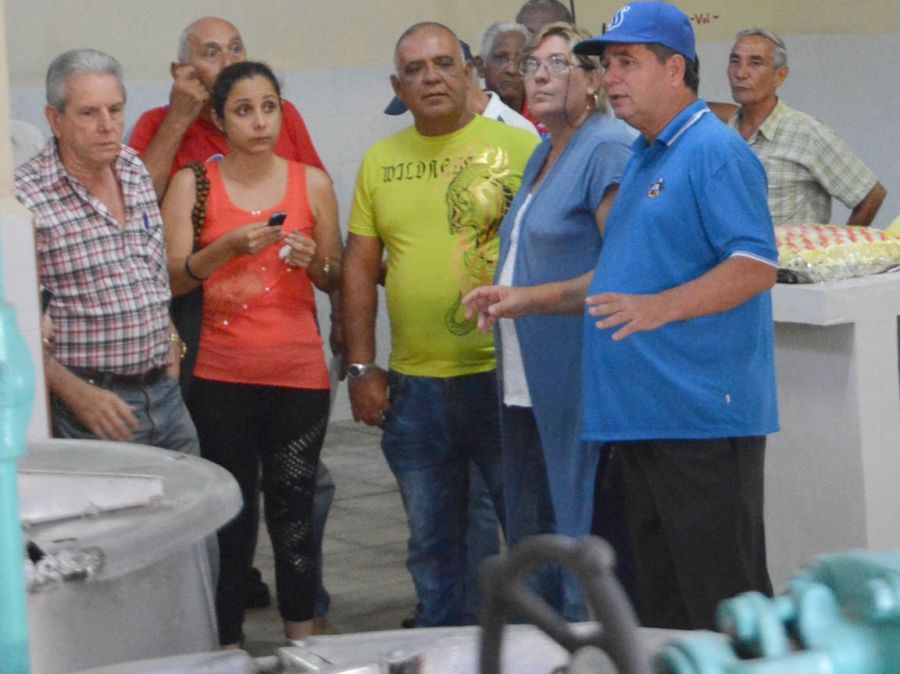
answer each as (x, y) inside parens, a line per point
(592, 561)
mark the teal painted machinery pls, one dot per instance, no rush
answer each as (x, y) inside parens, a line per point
(839, 616)
(16, 396)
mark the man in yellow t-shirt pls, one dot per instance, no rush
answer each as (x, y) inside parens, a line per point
(433, 196)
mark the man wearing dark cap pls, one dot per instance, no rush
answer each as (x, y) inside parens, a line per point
(678, 356)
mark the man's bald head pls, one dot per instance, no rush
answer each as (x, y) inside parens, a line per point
(199, 26)
(209, 45)
(425, 25)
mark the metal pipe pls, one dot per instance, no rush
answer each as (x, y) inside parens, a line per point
(591, 560)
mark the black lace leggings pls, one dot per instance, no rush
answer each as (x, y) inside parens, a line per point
(242, 427)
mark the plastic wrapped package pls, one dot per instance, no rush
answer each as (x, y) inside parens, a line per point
(816, 253)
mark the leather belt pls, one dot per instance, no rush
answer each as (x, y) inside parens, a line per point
(104, 378)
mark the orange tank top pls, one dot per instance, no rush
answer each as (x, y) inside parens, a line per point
(259, 314)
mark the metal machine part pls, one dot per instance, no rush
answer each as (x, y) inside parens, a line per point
(219, 662)
(63, 566)
(591, 560)
(429, 650)
(841, 615)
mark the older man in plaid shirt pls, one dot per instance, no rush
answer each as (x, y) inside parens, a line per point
(101, 253)
(806, 163)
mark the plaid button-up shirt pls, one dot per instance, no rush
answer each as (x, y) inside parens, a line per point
(109, 280)
(807, 165)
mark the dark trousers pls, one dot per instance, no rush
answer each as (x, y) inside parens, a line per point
(609, 521)
(241, 427)
(695, 520)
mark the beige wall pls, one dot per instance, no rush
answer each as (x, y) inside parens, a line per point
(302, 34)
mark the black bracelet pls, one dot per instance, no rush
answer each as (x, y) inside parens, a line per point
(190, 272)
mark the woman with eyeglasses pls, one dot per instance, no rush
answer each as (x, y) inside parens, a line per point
(549, 244)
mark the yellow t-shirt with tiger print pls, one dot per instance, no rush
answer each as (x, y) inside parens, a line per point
(436, 203)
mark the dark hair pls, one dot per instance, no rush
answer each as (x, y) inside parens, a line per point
(553, 11)
(691, 68)
(232, 75)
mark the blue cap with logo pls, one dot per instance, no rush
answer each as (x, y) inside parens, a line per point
(646, 23)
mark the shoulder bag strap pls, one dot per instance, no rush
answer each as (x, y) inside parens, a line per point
(198, 214)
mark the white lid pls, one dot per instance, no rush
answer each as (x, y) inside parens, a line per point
(198, 498)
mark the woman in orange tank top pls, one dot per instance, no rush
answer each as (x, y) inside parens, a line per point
(260, 392)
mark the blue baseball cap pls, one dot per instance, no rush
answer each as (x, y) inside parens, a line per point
(398, 107)
(646, 23)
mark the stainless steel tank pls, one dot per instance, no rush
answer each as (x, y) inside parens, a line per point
(130, 584)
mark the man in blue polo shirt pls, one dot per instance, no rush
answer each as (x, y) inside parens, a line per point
(678, 355)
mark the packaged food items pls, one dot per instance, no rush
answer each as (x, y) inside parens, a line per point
(816, 253)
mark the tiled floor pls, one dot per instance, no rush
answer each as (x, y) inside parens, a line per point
(365, 544)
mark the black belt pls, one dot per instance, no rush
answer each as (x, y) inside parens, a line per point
(104, 378)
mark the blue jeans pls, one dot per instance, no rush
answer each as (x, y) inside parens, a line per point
(434, 428)
(482, 540)
(160, 411)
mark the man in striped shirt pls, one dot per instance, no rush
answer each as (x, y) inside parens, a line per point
(101, 255)
(806, 163)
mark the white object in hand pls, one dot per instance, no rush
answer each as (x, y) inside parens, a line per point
(285, 251)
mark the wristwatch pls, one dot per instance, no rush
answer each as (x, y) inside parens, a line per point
(359, 370)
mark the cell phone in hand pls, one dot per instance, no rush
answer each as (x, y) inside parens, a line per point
(276, 219)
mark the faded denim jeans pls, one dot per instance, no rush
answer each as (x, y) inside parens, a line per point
(434, 428)
(164, 420)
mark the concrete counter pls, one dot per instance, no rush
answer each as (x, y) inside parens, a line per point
(833, 472)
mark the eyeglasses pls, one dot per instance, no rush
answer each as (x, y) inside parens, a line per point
(556, 65)
(502, 60)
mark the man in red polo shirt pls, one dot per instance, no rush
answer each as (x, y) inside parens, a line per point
(173, 135)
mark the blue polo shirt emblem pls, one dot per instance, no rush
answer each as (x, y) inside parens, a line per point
(656, 188)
